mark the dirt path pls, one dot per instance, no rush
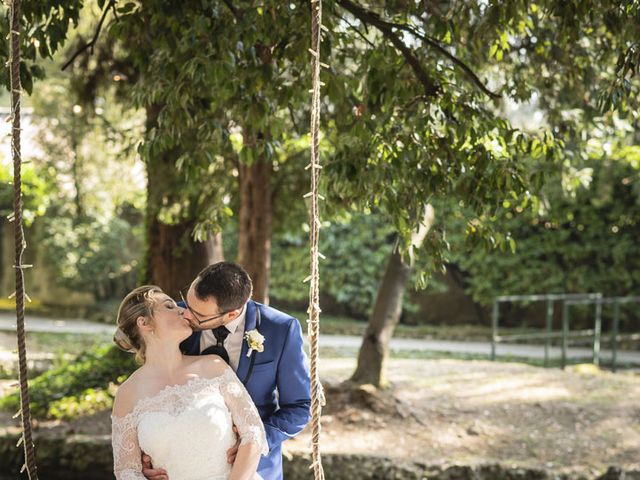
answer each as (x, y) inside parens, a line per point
(482, 412)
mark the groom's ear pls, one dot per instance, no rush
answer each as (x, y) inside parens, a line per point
(233, 314)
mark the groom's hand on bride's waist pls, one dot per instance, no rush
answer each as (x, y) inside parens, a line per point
(233, 451)
(152, 473)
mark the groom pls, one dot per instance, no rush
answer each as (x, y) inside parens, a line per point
(274, 371)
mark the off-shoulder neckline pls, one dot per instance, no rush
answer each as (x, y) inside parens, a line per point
(169, 389)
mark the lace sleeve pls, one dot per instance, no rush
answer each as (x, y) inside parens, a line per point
(127, 463)
(244, 412)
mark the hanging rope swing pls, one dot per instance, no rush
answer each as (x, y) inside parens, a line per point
(317, 394)
(16, 92)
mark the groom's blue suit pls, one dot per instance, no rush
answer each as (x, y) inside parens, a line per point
(278, 381)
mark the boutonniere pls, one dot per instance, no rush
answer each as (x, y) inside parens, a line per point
(255, 341)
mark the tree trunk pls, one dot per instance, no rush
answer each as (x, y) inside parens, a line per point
(215, 248)
(374, 351)
(76, 174)
(255, 225)
(386, 314)
(173, 258)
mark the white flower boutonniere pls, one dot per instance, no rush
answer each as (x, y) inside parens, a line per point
(255, 341)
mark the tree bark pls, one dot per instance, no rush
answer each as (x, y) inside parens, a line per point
(173, 258)
(374, 351)
(75, 174)
(386, 314)
(215, 248)
(255, 224)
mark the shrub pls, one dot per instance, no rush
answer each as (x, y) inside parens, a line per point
(75, 385)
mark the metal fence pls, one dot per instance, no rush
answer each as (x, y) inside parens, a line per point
(566, 334)
(615, 337)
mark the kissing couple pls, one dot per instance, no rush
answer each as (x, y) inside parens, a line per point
(223, 382)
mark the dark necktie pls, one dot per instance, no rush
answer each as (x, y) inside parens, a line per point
(221, 334)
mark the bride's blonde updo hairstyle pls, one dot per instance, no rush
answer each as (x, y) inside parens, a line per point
(138, 303)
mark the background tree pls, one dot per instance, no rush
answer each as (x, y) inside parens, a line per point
(436, 131)
(581, 239)
(192, 121)
(387, 310)
(415, 110)
(91, 231)
(413, 125)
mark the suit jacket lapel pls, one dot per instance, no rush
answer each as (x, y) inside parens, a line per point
(249, 324)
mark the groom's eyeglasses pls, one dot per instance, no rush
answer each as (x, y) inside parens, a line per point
(197, 315)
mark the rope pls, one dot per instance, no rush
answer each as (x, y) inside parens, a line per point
(16, 90)
(317, 394)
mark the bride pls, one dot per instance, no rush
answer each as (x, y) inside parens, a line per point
(178, 409)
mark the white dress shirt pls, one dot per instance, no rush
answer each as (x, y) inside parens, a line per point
(233, 343)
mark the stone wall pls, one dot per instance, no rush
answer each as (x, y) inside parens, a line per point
(86, 457)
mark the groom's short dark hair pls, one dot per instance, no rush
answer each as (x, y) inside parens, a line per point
(227, 282)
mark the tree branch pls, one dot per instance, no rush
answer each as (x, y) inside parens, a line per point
(434, 43)
(386, 28)
(431, 88)
(296, 127)
(91, 44)
(353, 27)
(233, 9)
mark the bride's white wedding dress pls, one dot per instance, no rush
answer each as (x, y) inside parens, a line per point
(187, 429)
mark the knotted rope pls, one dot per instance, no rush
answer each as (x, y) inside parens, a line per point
(16, 91)
(317, 394)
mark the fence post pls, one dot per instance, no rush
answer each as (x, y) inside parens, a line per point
(565, 332)
(494, 328)
(614, 340)
(547, 339)
(597, 332)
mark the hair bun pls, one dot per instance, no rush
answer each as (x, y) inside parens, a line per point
(123, 341)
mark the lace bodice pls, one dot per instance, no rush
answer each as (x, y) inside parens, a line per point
(187, 429)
